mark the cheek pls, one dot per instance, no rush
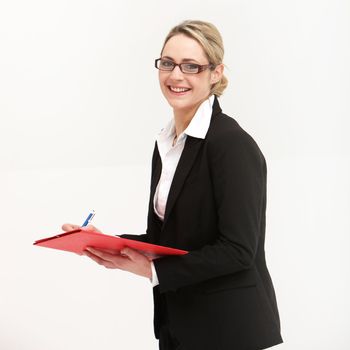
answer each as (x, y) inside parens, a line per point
(201, 85)
(162, 80)
(160, 76)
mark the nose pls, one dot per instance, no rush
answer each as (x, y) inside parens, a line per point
(176, 73)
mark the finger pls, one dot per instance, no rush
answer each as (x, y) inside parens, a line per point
(114, 258)
(133, 254)
(110, 251)
(118, 262)
(70, 227)
(100, 261)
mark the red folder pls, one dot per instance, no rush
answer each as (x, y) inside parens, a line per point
(77, 240)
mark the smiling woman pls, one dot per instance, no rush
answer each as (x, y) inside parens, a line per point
(193, 77)
(207, 196)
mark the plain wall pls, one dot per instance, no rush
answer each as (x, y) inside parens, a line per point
(80, 106)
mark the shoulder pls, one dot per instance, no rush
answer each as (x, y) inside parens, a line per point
(225, 135)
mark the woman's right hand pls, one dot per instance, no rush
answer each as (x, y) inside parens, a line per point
(71, 227)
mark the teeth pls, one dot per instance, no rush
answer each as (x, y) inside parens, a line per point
(178, 89)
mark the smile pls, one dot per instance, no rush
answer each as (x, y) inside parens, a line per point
(178, 90)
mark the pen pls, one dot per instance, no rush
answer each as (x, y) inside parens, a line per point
(88, 219)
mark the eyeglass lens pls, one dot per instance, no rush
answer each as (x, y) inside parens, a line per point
(185, 67)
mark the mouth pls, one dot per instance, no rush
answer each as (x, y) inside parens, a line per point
(178, 91)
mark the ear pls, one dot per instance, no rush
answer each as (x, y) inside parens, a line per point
(217, 73)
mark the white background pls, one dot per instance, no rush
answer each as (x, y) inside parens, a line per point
(80, 106)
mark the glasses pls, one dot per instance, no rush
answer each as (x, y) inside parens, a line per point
(187, 68)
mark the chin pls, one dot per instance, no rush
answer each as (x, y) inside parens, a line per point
(180, 104)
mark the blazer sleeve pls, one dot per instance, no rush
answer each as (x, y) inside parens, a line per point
(238, 171)
(143, 237)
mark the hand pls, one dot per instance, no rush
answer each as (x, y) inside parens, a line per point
(71, 227)
(127, 259)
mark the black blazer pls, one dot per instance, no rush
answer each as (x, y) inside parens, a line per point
(220, 295)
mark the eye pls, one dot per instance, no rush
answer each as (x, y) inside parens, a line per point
(166, 64)
(190, 67)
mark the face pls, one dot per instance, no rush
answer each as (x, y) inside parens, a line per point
(178, 49)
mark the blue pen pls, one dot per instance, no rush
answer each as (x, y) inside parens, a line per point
(88, 219)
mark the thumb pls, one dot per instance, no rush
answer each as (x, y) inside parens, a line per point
(70, 227)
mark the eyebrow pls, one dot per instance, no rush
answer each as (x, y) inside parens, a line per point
(183, 60)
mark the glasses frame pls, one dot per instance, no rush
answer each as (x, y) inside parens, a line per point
(201, 67)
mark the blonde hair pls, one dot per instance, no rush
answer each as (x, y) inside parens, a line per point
(208, 36)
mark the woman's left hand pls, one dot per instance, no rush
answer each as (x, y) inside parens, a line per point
(127, 259)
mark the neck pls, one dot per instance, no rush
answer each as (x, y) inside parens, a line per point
(183, 118)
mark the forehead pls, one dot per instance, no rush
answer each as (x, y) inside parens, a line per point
(181, 46)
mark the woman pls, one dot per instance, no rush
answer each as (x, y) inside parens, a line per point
(208, 196)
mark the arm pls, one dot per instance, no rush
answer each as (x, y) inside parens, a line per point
(238, 173)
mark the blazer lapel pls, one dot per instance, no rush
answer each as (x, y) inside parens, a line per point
(186, 160)
(188, 156)
(155, 177)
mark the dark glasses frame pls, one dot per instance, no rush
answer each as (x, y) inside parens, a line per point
(200, 67)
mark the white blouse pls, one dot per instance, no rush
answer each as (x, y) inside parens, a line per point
(170, 155)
